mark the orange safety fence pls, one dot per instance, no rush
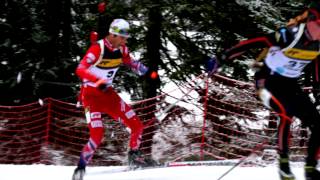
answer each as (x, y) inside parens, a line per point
(208, 119)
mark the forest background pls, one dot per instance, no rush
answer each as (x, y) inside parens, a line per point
(42, 41)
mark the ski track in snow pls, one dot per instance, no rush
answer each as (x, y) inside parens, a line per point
(51, 172)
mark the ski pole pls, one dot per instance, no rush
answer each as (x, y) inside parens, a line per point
(260, 146)
(245, 158)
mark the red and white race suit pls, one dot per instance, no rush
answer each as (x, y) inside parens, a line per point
(96, 66)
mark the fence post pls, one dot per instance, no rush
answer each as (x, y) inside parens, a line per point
(48, 120)
(204, 118)
(45, 159)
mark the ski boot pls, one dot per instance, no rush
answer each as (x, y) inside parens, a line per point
(311, 173)
(136, 160)
(284, 170)
(78, 173)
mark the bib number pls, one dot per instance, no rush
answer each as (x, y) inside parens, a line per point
(295, 65)
(110, 74)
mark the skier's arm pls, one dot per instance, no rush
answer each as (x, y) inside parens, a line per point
(136, 66)
(243, 46)
(141, 69)
(87, 61)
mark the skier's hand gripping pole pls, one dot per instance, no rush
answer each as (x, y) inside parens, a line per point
(211, 65)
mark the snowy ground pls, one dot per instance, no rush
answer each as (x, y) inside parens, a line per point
(45, 172)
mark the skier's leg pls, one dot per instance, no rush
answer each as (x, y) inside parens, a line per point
(310, 117)
(118, 109)
(311, 172)
(95, 126)
(92, 104)
(271, 101)
(96, 135)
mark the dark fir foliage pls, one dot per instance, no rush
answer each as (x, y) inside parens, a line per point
(42, 41)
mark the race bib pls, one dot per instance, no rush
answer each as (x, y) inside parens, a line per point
(301, 54)
(283, 65)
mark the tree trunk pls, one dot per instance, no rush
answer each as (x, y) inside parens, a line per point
(153, 42)
(66, 28)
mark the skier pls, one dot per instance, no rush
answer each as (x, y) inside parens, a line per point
(97, 70)
(290, 50)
